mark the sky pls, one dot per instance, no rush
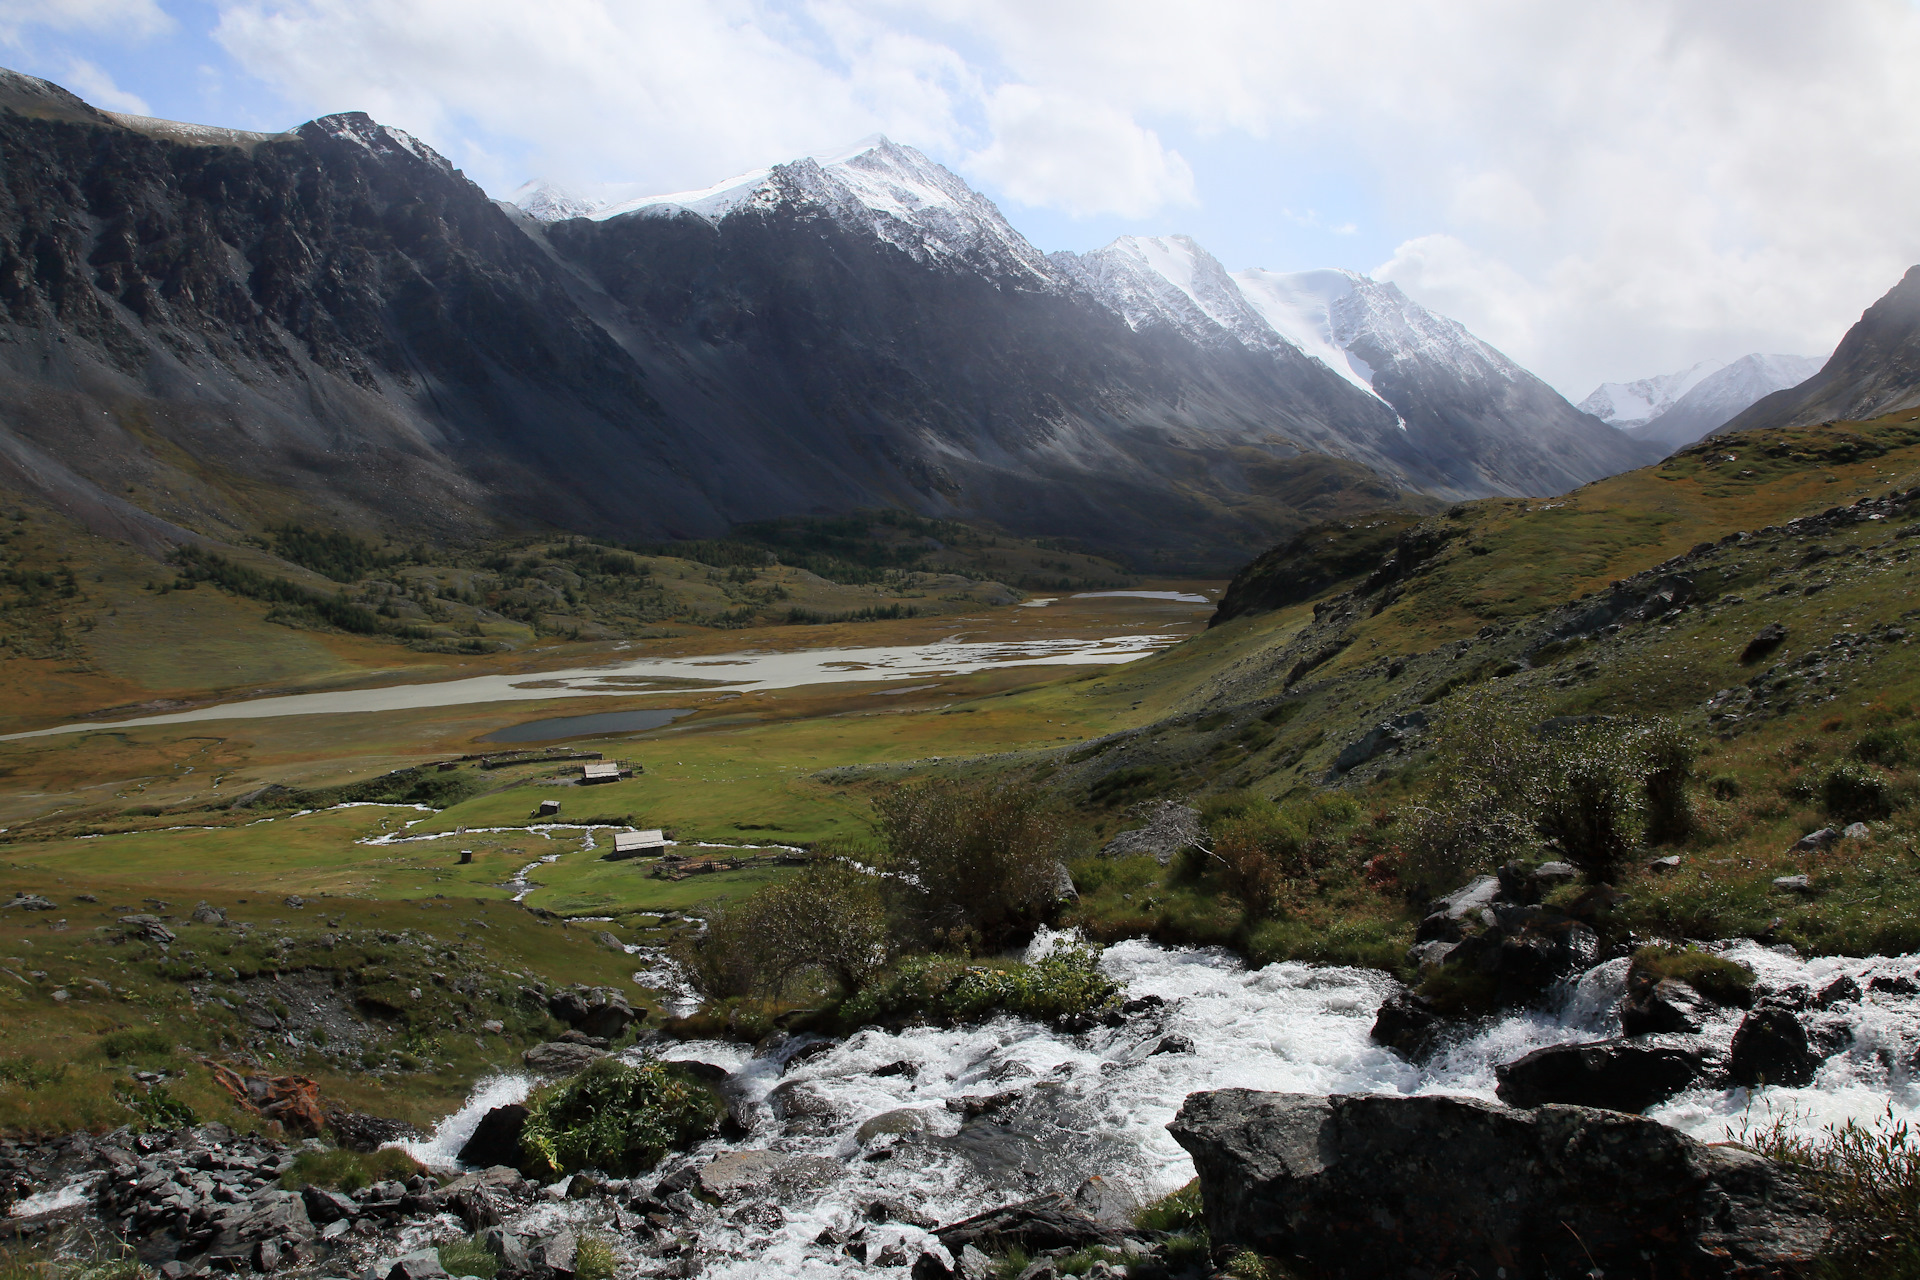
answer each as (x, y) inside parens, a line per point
(1605, 191)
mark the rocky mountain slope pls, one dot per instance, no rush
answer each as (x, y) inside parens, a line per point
(206, 329)
(1676, 409)
(1875, 370)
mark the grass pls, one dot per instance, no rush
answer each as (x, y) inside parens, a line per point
(342, 1170)
(1867, 1178)
(469, 1258)
(1720, 980)
(951, 989)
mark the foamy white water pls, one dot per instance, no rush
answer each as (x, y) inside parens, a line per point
(727, 670)
(1099, 1102)
(441, 1148)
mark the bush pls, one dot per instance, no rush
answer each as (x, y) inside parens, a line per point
(971, 864)
(827, 922)
(1668, 761)
(1868, 1182)
(1854, 792)
(343, 1170)
(156, 1108)
(615, 1118)
(1883, 746)
(951, 989)
(1180, 1210)
(1258, 852)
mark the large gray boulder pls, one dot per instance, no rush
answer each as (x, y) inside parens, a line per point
(1620, 1074)
(1357, 1187)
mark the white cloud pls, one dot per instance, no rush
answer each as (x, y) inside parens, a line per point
(1064, 152)
(1602, 190)
(96, 85)
(120, 19)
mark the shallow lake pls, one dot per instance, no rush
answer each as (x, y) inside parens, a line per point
(750, 669)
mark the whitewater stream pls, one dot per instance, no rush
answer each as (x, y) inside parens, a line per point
(886, 1107)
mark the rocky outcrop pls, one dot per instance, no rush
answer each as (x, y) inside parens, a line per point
(1358, 1187)
(496, 1139)
(1621, 1074)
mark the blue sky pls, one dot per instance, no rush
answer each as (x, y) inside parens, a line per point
(1604, 191)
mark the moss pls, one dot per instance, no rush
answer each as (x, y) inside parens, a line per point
(1719, 979)
(1457, 991)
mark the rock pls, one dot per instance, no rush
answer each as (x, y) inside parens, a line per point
(1666, 1006)
(28, 902)
(1174, 1043)
(496, 1139)
(581, 1037)
(505, 1246)
(324, 1206)
(1063, 890)
(1793, 884)
(606, 939)
(739, 1173)
(1895, 985)
(364, 1133)
(930, 1266)
(899, 1120)
(1857, 831)
(494, 1027)
(1842, 990)
(1468, 901)
(423, 1265)
(1044, 1222)
(1407, 1024)
(295, 901)
(608, 1014)
(1619, 1074)
(971, 1264)
(1669, 863)
(1039, 1269)
(1771, 1047)
(1422, 954)
(569, 1007)
(900, 1068)
(898, 1211)
(1763, 643)
(1814, 841)
(1349, 1188)
(556, 1256)
(554, 1058)
(207, 913)
(802, 1107)
(148, 927)
(1170, 828)
(1105, 1200)
(705, 1072)
(1377, 741)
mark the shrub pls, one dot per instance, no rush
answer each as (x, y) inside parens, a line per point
(1868, 1182)
(1854, 792)
(156, 1108)
(970, 864)
(469, 1258)
(1180, 1210)
(827, 921)
(1257, 853)
(952, 989)
(1460, 833)
(1668, 760)
(1882, 746)
(137, 1042)
(616, 1118)
(343, 1170)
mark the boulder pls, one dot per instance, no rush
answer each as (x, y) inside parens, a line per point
(802, 1107)
(1619, 1074)
(364, 1133)
(1814, 841)
(1044, 1222)
(557, 1059)
(1771, 1047)
(1662, 1006)
(506, 1247)
(608, 1014)
(207, 913)
(421, 1265)
(1794, 884)
(1170, 828)
(1842, 990)
(555, 1257)
(496, 1139)
(148, 927)
(1359, 1187)
(1407, 1024)
(1764, 642)
(742, 1173)
(324, 1206)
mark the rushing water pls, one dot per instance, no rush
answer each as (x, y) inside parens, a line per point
(1099, 1102)
(762, 670)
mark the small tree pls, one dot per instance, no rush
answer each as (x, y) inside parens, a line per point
(828, 919)
(969, 863)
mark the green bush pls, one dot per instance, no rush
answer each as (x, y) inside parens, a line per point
(469, 1258)
(1668, 761)
(156, 1108)
(343, 1170)
(1180, 1210)
(951, 989)
(615, 1118)
(1854, 792)
(1723, 981)
(1883, 746)
(1868, 1182)
(827, 923)
(972, 863)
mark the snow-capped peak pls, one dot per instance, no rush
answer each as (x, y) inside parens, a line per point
(1630, 404)
(1308, 309)
(892, 191)
(545, 201)
(381, 139)
(1169, 280)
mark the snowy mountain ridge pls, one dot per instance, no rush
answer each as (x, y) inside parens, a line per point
(1632, 404)
(1673, 410)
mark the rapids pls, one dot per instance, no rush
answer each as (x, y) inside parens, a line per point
(1098, 1103)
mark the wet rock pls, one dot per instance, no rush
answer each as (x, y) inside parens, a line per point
(364, 1133)
(421, 1265)
(1044, 1222)
(705, 1072)
(802, 1107)
(1842, 990)
(1771, 1047)
(899, 1120)
(601, 1012)
(1663, 1006)
(1142, 1004)
(555, 1058)
(1620, 1074)
(324, 1206)
(506, 1247)
(1408, 1025)
(901, 1068)
(556, 1256)
(1894, 985)
(1105, 1200)
(1349, 1186)
(1174, 1043)
(496, 1139)
(930, 1266)
(888, 1210)
(972, 1264)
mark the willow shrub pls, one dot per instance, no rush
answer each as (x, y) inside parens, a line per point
(615, 1118)
(973, 865)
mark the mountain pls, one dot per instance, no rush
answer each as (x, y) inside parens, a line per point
(203, 330)
(1874, 370)
(1676, 409)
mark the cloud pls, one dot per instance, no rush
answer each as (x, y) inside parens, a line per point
(120, 19)
(96, 85)
(1602, 190)
(1061, 151)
